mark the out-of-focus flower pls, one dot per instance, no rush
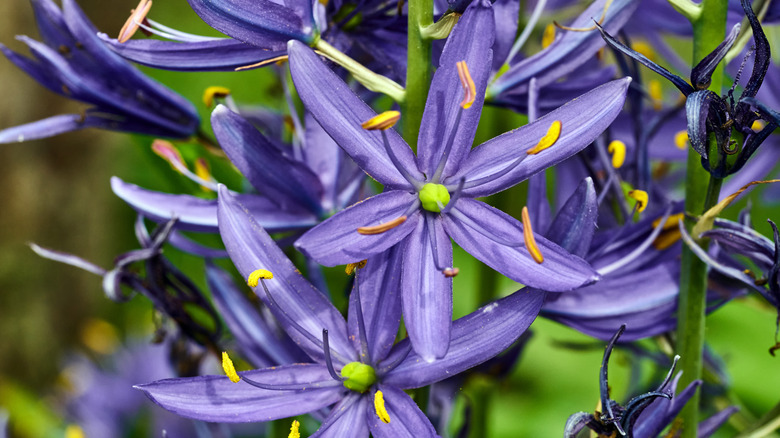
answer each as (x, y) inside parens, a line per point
(355, 363)
(430, 198)
(73, 62)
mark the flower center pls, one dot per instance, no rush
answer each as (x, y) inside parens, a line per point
(434, 197)
(359, 376)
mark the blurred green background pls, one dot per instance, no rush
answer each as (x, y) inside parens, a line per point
(56, 194)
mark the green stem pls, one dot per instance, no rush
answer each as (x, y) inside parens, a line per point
(418, 68)
(369, 79)
(709, 29)
(769, 423)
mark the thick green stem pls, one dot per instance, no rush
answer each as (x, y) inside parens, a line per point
(709, 29)
(418, 68)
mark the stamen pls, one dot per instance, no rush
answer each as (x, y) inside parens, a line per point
(381, 228)
(494, 176)
(656, 94)
(279, 59)
(757, 125)
(454, 198)
(328, 360)
(549, 139)
(681, 140)
(352, 267)
(203, 171)
(257, 275)
(448, 272)
(167, 151)
(667, 239)
(528, 237)
(548, 36)
(587, 29)
(469, 89)
(214, 92)
(137, 16)
(295, 430)
(230, 370)
(365, 354)
(379, 407)
(638, 250)
(645, 49)
(385, 120)
(671, 222)
(393, 159)
(618, 150)
(481, 230)
(640, 196)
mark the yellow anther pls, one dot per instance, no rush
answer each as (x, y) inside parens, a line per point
(230, 370)
(352, 267)
(258, 274)
(99, 336)
(469, 89)
(203, 171)
(528, 237)
(667, 239)
(295, 431)
(656, 93)
(450, 272)
(214, 92)
(379, 407)
(385, 120)
(640, 196)
(549, 139)
(618, 150)
(681, 139)
(74, 431)
(757, 125)
(548, 36)
(279, 60)
(169, 153)
(381, 228)
(671, 221)
(645, 49)
(137, 15)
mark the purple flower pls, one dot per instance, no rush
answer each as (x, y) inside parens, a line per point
(430, 198)
(356, 370)
(75, 63)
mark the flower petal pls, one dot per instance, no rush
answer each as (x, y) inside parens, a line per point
(476, 338)
(251, 248)
(560, 271)
(341, 113)
(701, 74)
(346, 418)
(582, 120)
(406, 419)
(336, 241)
(575, 222)
(470, 41)
(217, 399)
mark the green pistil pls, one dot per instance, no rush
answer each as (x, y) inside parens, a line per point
(359, 376)
(433, 195)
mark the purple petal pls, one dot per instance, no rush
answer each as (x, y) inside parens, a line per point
(662, 411)
(582, 120)
(476, 338)
(470, 41)
(68, 259)
(346, 418)
(380, 298)
(290, 184)
(427, 296)
(45, 128)
(324, 157)
(406, 419)
(188, 245)
(560, 271)
(217, 399)
(341, 112)
(710, 425)
(251, 248)
(198, 214)
(575, 223)
(336, 241)
(216, 55)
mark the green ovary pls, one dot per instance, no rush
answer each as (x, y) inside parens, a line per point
(432, 195)
(359, 376)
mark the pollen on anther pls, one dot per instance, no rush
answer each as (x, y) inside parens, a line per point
(681, 139)
(214, 92)
(381, 228)
(230, 370)
(258, 274)
(450, 272)
(137, 15)
(295, 429)
(548, 36)
(528, 237)
(352, 267)
(383, 121)
(379, 407)
(640, 196)
(618, 150)
(549, 139)
(469, 89)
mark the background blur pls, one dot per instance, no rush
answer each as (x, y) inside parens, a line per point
(56, 193)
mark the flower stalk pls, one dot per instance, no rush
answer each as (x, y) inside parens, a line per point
(418, 69)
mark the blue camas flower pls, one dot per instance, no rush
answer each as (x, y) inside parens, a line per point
(356, 371)
(430, 198)
(73, 62)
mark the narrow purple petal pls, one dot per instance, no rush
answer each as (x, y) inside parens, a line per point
(341, 112)
(470, 41)
(560, 271)
(336, 241)
(251, 248)
(427, 293)
(68, 259)
(710, 425)
(188, 245)
(406, 419)
(346, 418)
(45, 128)
(263, 23)
(582, 120)
(325, 158)
(217, 399)
(575, 223)
(476, 338)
